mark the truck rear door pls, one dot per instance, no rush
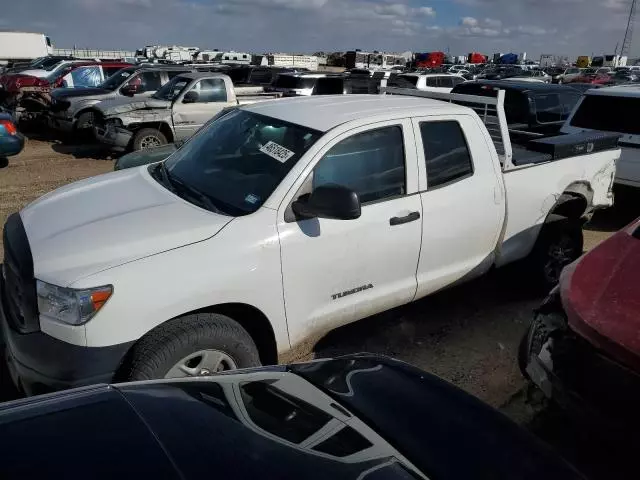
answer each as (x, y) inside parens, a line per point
(197, 104)
(463, 200)
(338, 271)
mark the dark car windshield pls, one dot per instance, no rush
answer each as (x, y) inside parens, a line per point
(406, 81)
(172, 89)
(291, 81)
(238, 160)
(117, 79)
(595, 113)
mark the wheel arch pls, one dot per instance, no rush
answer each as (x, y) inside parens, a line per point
(163, 127)
(575, 203)
(252, 319)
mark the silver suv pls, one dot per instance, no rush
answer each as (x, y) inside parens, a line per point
(71, 108)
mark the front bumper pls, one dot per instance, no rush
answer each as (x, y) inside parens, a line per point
(61, 124)
(11, 145)
(588, 384)
(117, 137)
(39, 363)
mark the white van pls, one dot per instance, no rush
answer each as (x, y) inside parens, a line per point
(613, 109)
(429, 82)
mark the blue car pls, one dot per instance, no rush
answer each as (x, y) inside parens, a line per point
(11, 140)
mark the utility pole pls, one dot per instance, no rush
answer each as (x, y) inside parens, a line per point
(628, 34)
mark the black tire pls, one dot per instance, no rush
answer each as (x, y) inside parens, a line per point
(542, 326)
(546, 263)
(143, 136)
(4, 162)
(82, 131)
(156, 353)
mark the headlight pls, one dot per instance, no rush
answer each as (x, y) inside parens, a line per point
(70, 305)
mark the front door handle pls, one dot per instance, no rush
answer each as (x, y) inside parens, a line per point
(412, 217)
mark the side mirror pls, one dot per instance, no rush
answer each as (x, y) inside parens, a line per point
(328, 201)
(190, 97)
(129, 90)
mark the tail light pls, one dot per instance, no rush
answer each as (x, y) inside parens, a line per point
(8, 126)
(41, 82)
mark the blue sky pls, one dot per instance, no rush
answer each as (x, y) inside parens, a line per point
(571, 27)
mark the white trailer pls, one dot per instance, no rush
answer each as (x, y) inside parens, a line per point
(23, 46)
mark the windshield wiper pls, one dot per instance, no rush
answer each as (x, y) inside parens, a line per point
(166, 179)
(178, 185)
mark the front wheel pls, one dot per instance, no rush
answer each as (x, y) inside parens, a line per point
(191, 346)
(148, 138)
(559, 244)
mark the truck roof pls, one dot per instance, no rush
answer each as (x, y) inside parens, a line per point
(324, 112)
(197, 75)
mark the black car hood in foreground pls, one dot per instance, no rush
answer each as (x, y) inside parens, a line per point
(370, 418)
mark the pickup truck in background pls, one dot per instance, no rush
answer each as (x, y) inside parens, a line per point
(280, 221)
(71, 109)
(532, 109)
(612, 109)
(175, 112)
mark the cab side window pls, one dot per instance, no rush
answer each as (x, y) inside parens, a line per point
(151, 81)
(210, 90)
(446, 153)
(372, 164)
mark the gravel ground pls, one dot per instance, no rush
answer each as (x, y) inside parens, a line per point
(467, 335)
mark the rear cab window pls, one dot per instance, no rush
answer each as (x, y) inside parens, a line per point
(446, 153)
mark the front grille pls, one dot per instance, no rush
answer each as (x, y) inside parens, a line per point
(19, 286)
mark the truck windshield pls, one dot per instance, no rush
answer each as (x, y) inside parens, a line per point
(117, 79)
(238, 160)
(595, 113)
(171, 89)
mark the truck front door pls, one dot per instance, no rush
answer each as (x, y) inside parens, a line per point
(338, 271)
(197, 104)
(462, 199)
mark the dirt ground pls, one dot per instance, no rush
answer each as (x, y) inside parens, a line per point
(467, 335)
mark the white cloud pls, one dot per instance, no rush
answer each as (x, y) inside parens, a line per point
(394, 9)
(468, 21)
(426, 11)
(492, 23)
(530, 30)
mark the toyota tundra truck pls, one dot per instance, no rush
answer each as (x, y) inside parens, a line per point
(280, 221)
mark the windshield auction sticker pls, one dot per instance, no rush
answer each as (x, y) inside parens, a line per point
(277, 151)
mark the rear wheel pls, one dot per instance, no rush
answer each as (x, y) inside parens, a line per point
(558, 245)
(195, 345)
(148, 138)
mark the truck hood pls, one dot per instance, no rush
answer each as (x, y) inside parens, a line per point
(105, 221)
(117, 106)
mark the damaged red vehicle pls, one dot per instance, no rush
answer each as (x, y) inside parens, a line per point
(31, 93)
(583, 346)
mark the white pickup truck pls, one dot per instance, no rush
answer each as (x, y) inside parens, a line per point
(277, 222)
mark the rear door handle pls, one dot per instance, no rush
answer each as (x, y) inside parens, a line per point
(412, 217)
